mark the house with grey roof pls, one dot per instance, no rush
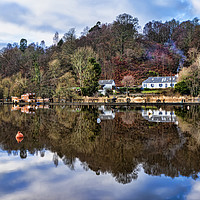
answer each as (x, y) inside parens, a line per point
(160, 82)
(105, 85)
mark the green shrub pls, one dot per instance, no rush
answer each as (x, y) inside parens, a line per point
(109, 91)
(122, 90)
(138, 89)
(147, 89)
(182, 88)
(153, 73)
(101, 95)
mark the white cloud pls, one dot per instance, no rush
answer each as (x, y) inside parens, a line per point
(38, 20)
(14, 33)
(48, 16)
(163, 3)
(196, 6)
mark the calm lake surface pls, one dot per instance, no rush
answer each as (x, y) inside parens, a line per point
(100, 153)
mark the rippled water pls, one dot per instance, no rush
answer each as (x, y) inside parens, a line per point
(100, 153)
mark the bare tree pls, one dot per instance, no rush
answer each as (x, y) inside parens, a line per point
(128, 81)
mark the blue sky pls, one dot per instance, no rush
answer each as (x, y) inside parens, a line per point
(38, 20)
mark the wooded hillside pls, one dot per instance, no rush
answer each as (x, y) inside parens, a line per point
(119, 48)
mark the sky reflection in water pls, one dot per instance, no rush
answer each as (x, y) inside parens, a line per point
(41, 177)
(38, 178)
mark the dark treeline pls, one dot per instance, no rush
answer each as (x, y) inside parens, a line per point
(119, 48)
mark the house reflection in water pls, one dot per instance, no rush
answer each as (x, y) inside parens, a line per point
(159, 116)
(106, 114)
(28, 109)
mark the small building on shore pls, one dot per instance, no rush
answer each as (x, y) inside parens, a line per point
(28, 97)
(160, 82)
(106, 85)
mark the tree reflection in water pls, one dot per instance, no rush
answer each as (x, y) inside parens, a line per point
(23, 153)
(119, 146)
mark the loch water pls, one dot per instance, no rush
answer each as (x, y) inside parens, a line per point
(100, 153)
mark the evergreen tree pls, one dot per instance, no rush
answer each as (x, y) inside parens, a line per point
(23, 44)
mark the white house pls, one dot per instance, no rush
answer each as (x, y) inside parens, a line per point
(160, 82)
(105, 85)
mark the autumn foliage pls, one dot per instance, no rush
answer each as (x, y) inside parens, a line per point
(163, 49)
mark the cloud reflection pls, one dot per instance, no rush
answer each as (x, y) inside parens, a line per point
(37, 178)
(195, 191)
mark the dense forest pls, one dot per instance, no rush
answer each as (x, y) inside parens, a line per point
(104, 51)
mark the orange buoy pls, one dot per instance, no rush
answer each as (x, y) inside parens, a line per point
(19, 137)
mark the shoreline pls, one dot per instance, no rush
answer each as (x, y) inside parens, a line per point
(105, 103)
(115, 101)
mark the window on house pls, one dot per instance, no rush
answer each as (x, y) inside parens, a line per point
(166, 85)
(152, 85)
(160, 85)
